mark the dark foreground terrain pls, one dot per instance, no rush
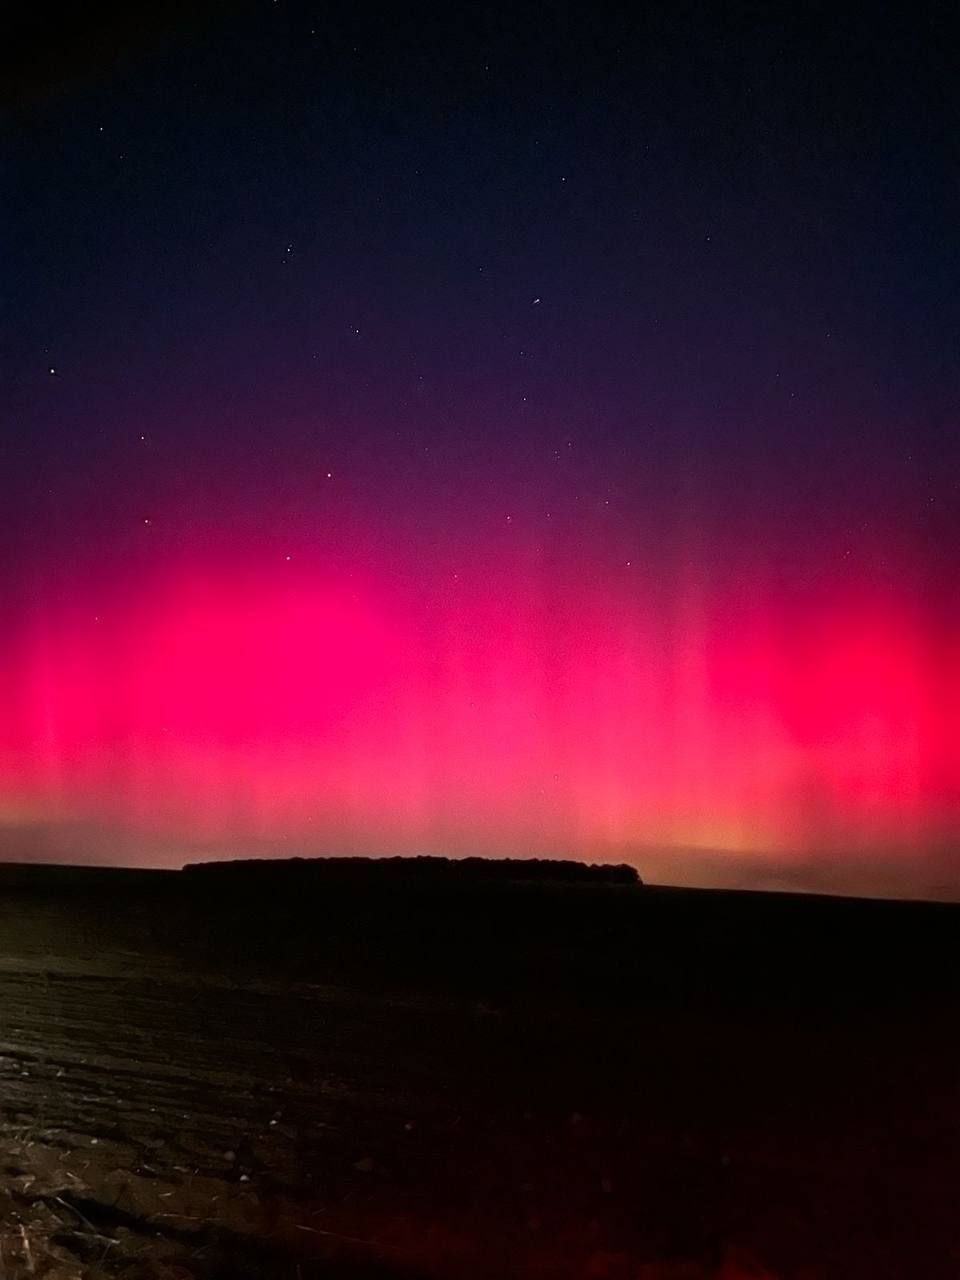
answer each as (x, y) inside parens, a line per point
(476, 1081)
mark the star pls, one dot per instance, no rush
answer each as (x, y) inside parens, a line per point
(51, 370)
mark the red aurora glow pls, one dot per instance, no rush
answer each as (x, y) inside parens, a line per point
(240, 713)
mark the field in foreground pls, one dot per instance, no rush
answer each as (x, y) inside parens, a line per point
(601, 1081)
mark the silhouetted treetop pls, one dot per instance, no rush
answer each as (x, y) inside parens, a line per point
(423, 869)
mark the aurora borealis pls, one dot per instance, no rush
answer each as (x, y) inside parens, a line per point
(296, 710)
(532, 439)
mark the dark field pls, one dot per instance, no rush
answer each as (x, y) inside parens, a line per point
(496, 1081)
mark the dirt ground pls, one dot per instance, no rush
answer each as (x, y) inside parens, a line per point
(169, 1111)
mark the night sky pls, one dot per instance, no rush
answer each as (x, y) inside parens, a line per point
(484, 430)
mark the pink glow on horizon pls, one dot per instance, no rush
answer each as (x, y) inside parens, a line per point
(237, 710)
